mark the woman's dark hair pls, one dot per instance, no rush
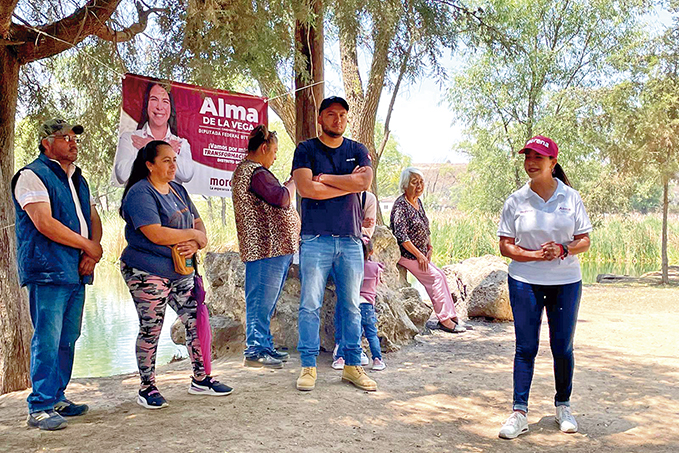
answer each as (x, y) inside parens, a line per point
(367, 247)
(171, 122)
(560, 174)
(139, 169)
(259, 135)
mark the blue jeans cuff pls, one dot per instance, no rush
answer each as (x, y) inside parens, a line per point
(562, 403)
(308, 362)
(521, 407)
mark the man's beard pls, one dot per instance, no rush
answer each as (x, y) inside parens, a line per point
(330, 133)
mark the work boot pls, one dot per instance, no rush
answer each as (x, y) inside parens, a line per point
(357, 376)
(307, 379)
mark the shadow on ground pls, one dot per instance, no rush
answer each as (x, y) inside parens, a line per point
(443, 393)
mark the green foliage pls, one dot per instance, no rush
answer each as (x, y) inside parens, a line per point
(74, 87)
(286, 150)
(538, 83)
(391, 165)
(229, 44)
(457, 236)
(621, 239)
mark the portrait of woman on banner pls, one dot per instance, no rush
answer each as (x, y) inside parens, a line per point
(158, 122)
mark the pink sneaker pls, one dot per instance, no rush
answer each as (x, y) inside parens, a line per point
(338, 364)
(378, 365)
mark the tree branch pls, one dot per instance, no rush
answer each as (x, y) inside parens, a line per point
(397, 85)
(353, 86)
(49, 40)
(6, 9)
(127, 34)
(283, 106)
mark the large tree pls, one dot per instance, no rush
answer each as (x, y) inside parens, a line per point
(636, 126)
(24, 40)
(506, 94)
(401, 41)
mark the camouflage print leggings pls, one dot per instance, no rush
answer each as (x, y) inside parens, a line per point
(151, 294)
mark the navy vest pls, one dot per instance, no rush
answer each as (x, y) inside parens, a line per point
(41, 260)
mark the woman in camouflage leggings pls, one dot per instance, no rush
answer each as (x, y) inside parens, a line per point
(159, 214)
(151, 294)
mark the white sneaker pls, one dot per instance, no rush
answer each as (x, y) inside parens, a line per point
(364, 359)
(378, 365)
(338, 364)
(565, 419)
(334, 352)
(516, 424)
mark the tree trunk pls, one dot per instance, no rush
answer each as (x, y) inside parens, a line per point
(15, 324)
(209, 210)
(364, 103)
(663, 247)
(309, 39)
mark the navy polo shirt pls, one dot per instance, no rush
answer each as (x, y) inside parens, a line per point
(340, 215)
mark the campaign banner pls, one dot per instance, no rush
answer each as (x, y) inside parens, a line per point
(207, 128)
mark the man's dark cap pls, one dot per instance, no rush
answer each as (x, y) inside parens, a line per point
(327, 102)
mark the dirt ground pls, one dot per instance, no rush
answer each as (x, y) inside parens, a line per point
(443, 393)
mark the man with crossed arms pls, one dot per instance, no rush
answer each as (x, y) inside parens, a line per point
(329, 172)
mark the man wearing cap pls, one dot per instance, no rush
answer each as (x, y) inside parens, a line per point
(58, 245)
(330, 171)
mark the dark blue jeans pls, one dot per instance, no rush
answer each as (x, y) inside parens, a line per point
(264, 280)
(56, 313)
(368, 321)
(561, 303)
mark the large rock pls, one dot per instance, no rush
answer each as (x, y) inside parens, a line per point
(401, 312)
(228, 335)
(479, 288)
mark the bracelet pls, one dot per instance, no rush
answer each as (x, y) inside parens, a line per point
(564, 251)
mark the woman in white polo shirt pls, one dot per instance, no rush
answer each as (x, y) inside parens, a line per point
(543, 226)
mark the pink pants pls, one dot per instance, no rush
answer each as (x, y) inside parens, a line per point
(434, 281)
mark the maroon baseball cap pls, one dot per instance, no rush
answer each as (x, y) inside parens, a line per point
(541, 145)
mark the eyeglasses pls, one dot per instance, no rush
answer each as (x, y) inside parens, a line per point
(68, 138)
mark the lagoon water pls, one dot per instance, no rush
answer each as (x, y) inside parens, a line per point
(109, 330)
(110, 323)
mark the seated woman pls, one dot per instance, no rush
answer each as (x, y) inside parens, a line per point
(410, 225)
(268, 236)
(159, 214)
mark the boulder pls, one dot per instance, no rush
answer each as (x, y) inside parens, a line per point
(401, 312)
(228, 335)
(479, 288)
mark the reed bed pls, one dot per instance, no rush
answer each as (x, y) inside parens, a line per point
(457, 235)
(623, 239)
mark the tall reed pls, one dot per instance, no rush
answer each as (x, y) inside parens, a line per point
(456, 235)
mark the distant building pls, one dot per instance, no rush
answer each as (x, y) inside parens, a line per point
(386, 204)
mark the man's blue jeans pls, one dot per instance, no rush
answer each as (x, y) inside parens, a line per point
(318, 256)
(561, 303)
(264, 281)
(56, 313)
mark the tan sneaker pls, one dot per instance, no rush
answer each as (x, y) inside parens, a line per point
(307, 379)
(357, 376)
